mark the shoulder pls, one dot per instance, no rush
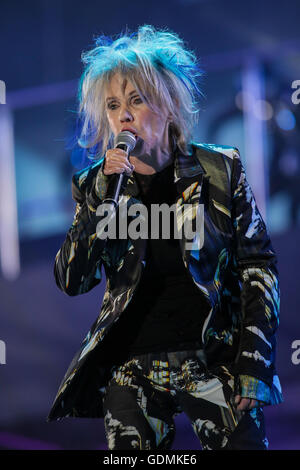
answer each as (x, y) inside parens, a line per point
(215, 150)
(217, 159)
(221, 163)
(83, 179)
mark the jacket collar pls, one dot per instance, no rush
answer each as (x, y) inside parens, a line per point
(186, 166)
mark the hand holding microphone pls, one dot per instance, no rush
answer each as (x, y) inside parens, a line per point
(117, 164)
(116, 159)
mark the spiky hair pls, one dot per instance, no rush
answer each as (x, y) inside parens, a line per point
(163, 71)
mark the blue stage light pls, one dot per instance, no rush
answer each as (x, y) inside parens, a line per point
(286, 119)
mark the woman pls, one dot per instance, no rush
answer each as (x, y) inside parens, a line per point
(186, 325)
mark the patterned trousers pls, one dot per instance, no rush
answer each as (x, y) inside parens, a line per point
(147, 391)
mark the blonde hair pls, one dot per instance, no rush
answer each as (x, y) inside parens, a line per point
(164, 73)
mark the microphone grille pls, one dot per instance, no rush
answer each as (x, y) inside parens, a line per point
(125, 138)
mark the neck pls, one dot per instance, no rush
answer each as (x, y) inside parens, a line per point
(148, 164)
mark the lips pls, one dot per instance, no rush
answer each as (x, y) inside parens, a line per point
(133, 131)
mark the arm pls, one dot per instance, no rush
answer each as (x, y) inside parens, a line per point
(255, 262)
(77, 267)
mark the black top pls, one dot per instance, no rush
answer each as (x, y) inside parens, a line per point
(167, 310)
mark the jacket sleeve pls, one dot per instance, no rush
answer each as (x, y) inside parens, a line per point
(250, 387)
(255, 262)
(77, 267)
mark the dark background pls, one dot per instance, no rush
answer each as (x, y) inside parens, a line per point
(40, 46)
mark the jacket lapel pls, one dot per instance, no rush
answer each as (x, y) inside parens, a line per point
(188, 177)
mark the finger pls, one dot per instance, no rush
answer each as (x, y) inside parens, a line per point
(117, 152)
(243, 405)
(253, 403)
(117, 167)
(240, 405)
(121, 152)
(117, 157)
(130, 170)
(117, 163)
(237, 399)
(114, 170)
(127, 169)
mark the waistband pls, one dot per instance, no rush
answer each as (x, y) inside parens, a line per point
(169, 359)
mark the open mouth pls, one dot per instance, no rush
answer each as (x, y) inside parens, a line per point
(131, 131)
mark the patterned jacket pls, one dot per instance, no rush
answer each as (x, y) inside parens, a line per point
(234, 268)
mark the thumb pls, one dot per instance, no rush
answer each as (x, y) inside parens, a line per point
(237, 399)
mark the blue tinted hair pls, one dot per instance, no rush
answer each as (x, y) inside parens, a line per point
(164, 72)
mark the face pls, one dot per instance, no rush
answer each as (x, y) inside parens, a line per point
(126, 110)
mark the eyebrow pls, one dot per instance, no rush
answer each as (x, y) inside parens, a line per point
(114, 98)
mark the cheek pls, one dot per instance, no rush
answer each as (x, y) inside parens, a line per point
(158, 127)
(152, 124)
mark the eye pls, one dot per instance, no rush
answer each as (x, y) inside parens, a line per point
(112, 105)
(137, 100)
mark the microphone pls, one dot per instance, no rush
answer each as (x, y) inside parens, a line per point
(126, 141)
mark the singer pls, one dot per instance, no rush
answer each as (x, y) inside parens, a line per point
(186, 325)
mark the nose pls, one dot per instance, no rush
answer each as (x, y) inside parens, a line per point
(125, 115)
